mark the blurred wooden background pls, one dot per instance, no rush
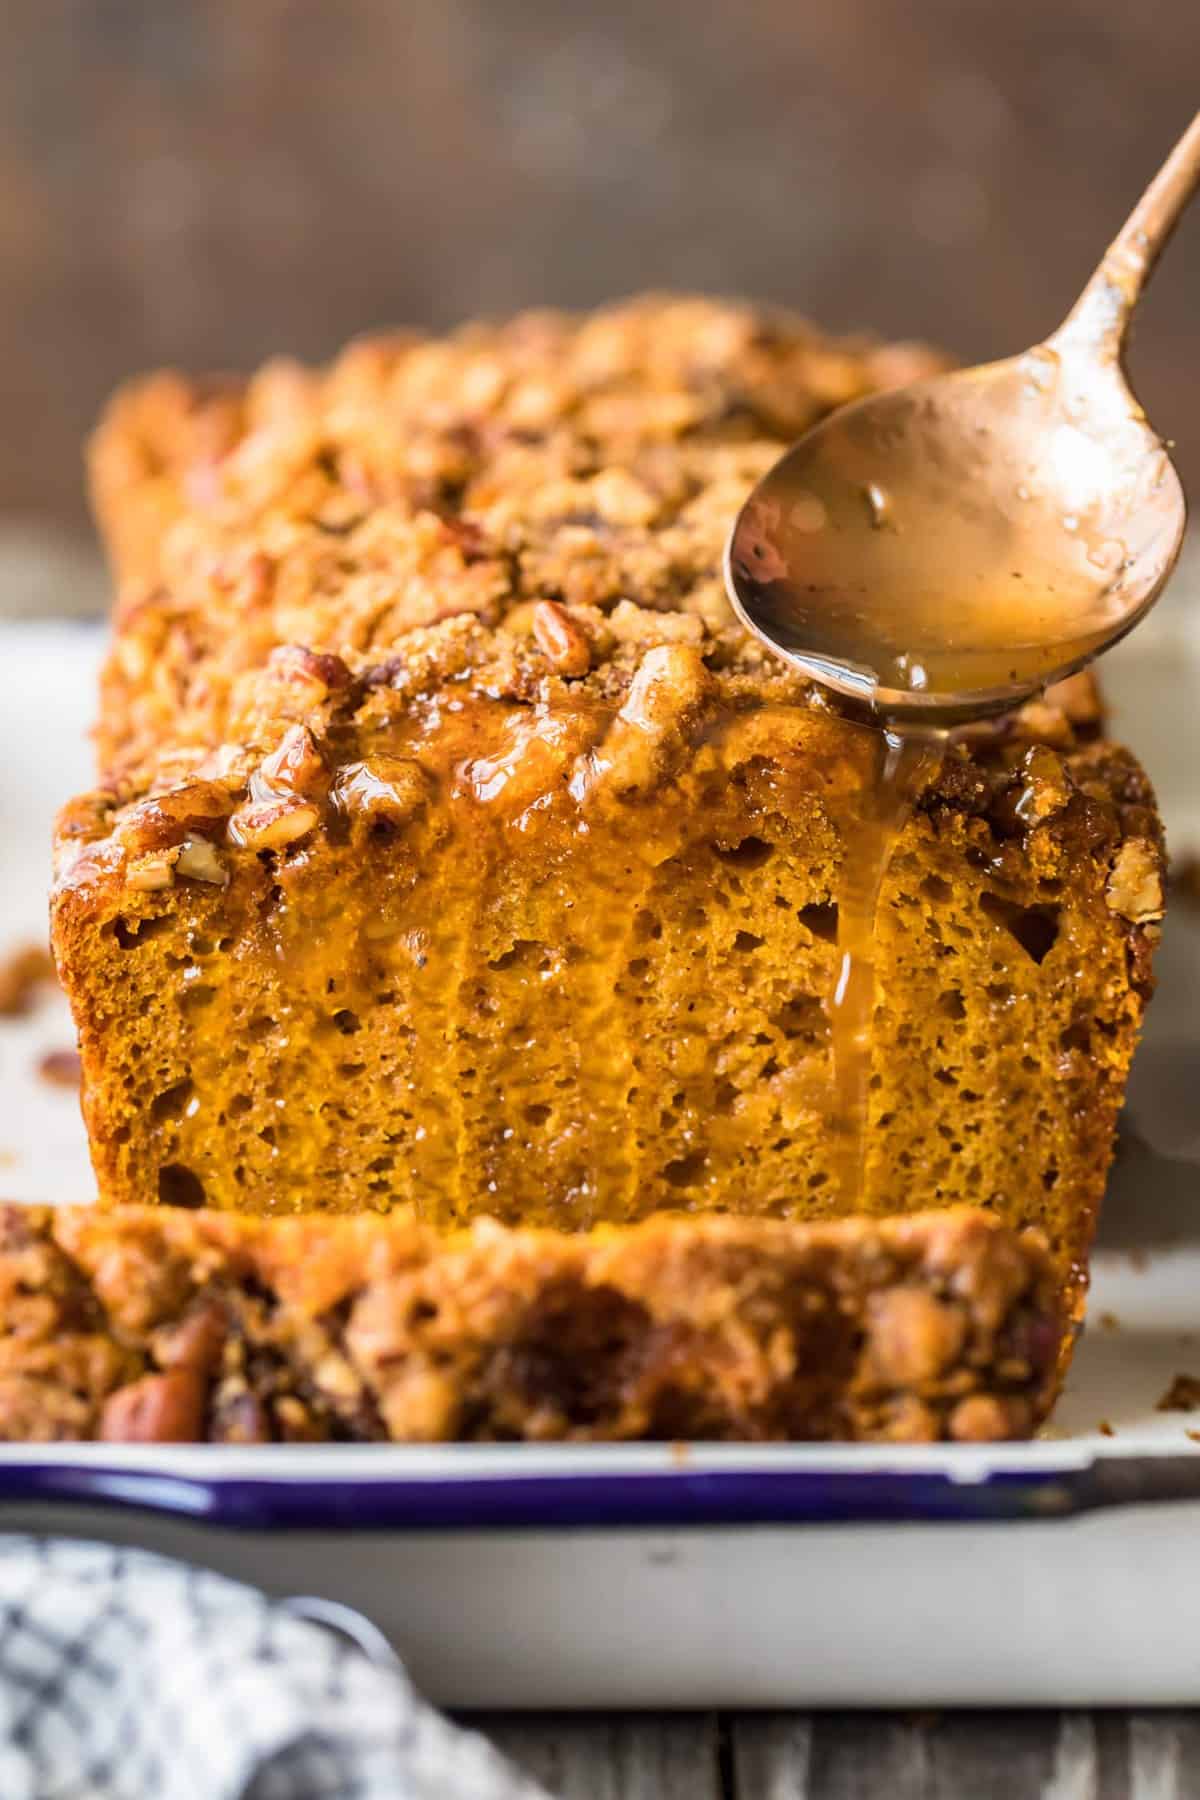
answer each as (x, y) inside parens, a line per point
(207, 181)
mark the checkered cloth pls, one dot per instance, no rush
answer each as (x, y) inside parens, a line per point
(125, 1676)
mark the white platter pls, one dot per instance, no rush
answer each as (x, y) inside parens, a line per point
(1059, 1573)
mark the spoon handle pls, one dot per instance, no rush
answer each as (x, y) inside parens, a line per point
(1100, 318)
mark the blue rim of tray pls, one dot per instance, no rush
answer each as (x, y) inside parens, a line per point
(592, 1498)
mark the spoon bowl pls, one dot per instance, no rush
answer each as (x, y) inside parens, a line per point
(945, 550)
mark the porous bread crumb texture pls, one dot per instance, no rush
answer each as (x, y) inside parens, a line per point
(454, 845)
(147, 1325)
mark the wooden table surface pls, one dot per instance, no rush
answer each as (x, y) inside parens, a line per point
(858, 1756)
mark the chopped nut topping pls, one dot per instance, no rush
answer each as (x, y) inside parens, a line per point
(194, 1341)
(248, 573)
(146, 827)
(422, 1405)
(165, 819)
(158, 1409)
(1135, 888)
(335, 1375)
(560, 639)
(270, 824)
(296, 764)
(386, 787)
(623, 500)
(207, 1325)
(913, 1336)
(670, 681)
(85, 818)
(1046, 724)
(668, 690)
(989, 1418)
(1046, 786)
(324, 672)
(146, 874)
(200, 861)
(193, 803)
(296, 1422)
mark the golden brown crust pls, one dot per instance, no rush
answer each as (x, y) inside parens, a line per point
(152, 1325)
(445, 489)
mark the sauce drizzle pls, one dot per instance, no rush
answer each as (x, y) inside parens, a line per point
(908, 761)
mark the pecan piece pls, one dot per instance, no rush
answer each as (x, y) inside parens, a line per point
(989, 1418)
(388, 787)
(271, 824)
(199, 861)
(86, 818)
(165, 820)
(560, 640)
(156, 869)
(249, 578)
(1135, 888)
(670, 683)
(669, 691)
(1045, 786)
(157, 1409)
(294, 765)
(315, 673)
(335, 1376)
(195, 1342)
(194, 804)
(912, 1337)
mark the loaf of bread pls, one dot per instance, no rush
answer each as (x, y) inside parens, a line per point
(453, 845)
(156, 1326)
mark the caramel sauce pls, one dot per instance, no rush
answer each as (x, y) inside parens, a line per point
(907, 761)
(953, 546)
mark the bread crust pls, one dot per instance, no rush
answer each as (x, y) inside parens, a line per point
(154, 1325)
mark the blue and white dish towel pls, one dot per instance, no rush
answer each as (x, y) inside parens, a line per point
(126, 1676)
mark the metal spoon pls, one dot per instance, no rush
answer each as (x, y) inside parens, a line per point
(945, 550)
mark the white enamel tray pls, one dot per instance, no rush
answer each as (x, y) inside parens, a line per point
(1065, 1572)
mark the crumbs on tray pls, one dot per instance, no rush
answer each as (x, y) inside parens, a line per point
(22, 972)
(1185, 879)
(1183, 1395)
(61, 1068)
